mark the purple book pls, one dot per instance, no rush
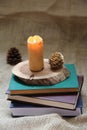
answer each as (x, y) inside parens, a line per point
(27, 109)
(67, 101)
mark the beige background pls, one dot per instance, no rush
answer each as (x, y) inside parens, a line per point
(63, 26)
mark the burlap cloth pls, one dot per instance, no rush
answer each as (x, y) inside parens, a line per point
(63, 25)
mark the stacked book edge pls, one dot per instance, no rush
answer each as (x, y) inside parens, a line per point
(63, 98)
(24, 109)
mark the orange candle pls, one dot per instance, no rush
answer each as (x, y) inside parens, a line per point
(35, 51)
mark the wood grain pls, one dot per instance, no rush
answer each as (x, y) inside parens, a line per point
(44, 77)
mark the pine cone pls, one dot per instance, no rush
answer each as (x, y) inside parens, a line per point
(13, 56)
(56, 60)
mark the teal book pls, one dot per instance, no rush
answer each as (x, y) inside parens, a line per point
(71, 84)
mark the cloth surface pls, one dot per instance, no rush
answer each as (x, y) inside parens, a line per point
(63, 25)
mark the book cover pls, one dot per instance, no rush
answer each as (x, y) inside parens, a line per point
(68, 101)
(71, 84)
(26, 109)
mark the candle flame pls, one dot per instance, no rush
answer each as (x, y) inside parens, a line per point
(34, 39)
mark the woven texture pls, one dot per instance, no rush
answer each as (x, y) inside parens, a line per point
(63, 26)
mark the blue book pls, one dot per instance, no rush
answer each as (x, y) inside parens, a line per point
(71, 84)
(26, 109)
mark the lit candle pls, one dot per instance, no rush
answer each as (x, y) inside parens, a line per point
(35, 51)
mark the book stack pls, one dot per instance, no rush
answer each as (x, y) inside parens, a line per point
(63, 98)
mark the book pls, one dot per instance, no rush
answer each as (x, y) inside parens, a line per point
(23, 109)
(67, 100)
(71, 84)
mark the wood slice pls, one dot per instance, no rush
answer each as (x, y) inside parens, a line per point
(43, 77)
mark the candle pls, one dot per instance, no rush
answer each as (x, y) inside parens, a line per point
(35, 51)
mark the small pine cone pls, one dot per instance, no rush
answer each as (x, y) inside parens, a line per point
(56, 60)
(13, 56)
